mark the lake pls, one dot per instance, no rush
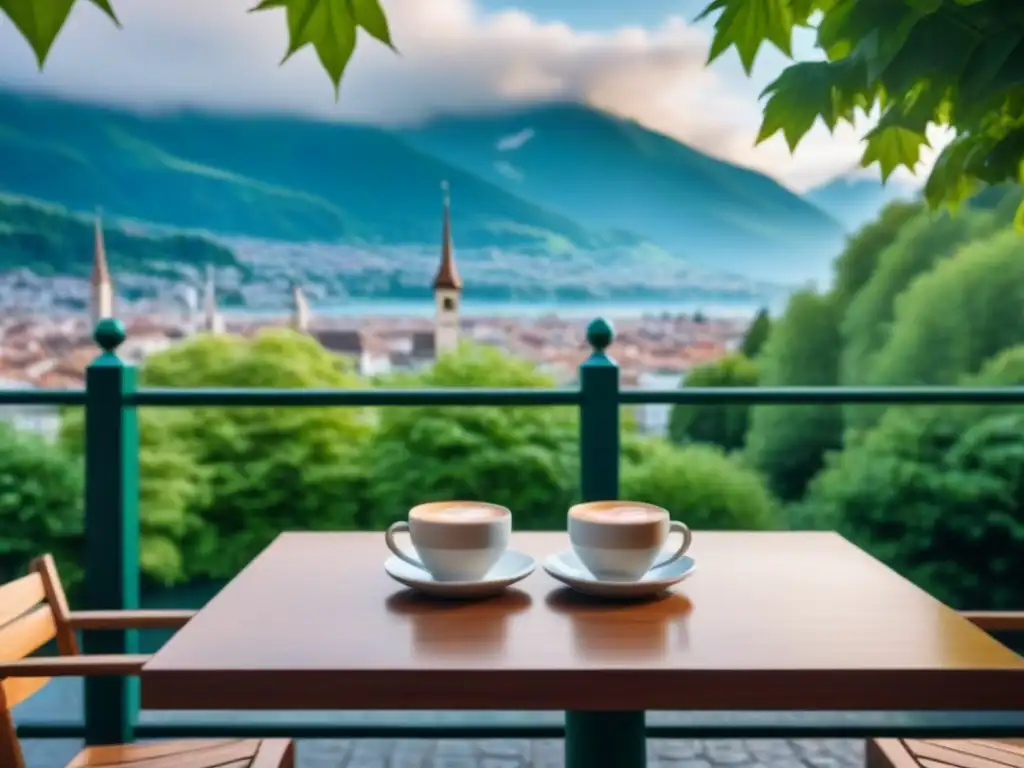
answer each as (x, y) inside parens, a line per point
(584, 310)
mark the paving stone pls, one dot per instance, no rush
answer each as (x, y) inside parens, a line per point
(675, 749)
(502, 762)
(691, 764)
(726, 752)
(771, 748)
(452, 761)
(517, 748)
(366, 761)
(522, 753)
(823, 761)
(454, 748)
(546, 752)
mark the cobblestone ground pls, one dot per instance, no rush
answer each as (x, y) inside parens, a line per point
(662, 753)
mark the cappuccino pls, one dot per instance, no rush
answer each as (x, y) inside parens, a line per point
(454, 540)
(457, 512)
(614, 512)
(621, 540)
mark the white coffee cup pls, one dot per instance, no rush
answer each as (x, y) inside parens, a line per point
(454, 540)
(620, 540)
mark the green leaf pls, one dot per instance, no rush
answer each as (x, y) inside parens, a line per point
(794, 104)
(892, 146)
(370, 16)
(107, 8)
(935, 49)
(332, 31)
(949, 182)
(299, 13)
(39, 22)
(327, 25)
(811, 89)
(993, 70)
(745, 25)
(1018, 220)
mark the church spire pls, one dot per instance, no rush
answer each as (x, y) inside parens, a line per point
(447, 275)
(101, 293)
(447, 288)
(214, 320)
(300, 309)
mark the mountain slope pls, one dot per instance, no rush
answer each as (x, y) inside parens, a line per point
(854, 202)
(280, 178)
(604, 171)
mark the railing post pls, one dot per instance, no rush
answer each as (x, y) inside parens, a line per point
(111, 530)
(599, 417)
(601, 738)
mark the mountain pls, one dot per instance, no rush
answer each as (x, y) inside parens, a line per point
(855, 201)
(607, 172)
(268, 177)
(609, 207)
(46, 252)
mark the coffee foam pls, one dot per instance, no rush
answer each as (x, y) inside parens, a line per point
(460, 513)
(625, 514)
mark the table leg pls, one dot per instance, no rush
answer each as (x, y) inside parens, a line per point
(599, 739)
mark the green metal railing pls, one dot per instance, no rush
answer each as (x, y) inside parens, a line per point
(111, 556)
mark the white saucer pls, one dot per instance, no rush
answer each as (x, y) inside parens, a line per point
(512, 567)
(567, 568)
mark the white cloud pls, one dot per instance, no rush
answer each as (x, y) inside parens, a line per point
(509, 171)
(210, 53)
(515, 141)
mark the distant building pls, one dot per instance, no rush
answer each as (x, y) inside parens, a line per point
(341, 342)
(44, 420)
(447, 288)
(653, 418)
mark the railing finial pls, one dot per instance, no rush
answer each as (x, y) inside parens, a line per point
(109, 334)
(600, 334)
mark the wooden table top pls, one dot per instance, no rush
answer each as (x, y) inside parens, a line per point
(770, 621)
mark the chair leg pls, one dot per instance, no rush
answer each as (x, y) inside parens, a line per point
(888, 753)
(275, 753)
(288, 761)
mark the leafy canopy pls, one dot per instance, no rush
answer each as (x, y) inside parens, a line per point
(721, 425)
(330, 26)
(955, 63)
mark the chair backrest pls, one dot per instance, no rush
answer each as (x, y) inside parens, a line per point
(33, 611)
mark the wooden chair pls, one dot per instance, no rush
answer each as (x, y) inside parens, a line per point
(954, 753)
(34, 611)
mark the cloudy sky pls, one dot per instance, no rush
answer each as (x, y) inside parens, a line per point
(643, 59)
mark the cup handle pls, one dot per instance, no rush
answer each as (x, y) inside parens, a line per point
(389, 538)
(675, 526)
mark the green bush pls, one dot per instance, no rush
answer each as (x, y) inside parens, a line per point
(788, 443)
(756, 335)
(525, 458)
(699, 484)
(938, 494)
(41, 493)
(721, 425)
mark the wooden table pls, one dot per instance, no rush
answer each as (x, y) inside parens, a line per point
(770, 621)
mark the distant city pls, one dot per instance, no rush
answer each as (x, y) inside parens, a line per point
(655, 348)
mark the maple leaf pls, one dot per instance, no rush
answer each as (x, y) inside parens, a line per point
(330, 26)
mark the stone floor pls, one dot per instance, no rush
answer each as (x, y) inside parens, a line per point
(663, 753)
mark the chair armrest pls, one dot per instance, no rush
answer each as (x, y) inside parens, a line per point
(996, 621)
(130, 619)
(75, 666)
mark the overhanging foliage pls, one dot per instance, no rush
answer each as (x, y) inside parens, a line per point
(956, 63)
(330, 26)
